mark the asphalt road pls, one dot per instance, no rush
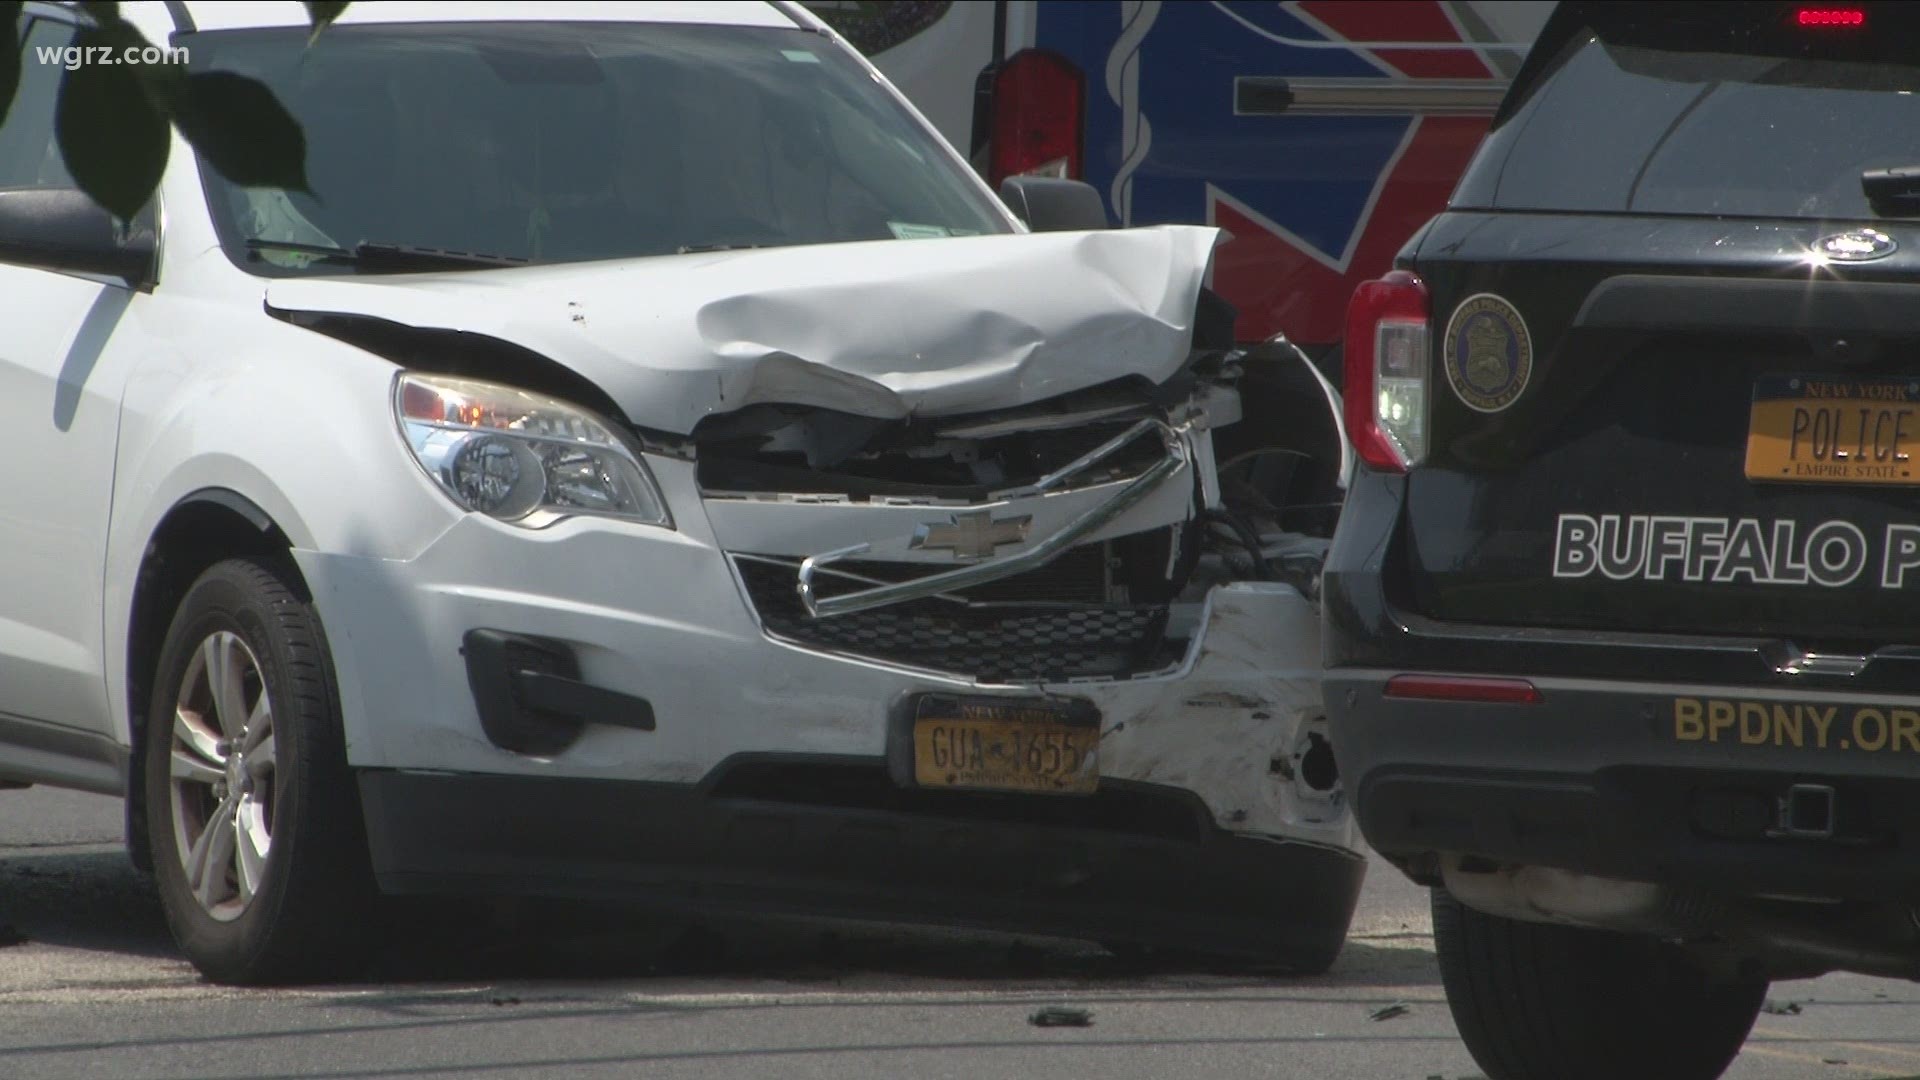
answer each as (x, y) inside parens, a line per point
(90, 986)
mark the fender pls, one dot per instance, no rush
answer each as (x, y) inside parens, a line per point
(292, 430)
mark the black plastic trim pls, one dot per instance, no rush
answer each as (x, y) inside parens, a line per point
(63, 230)
(1053, 204)
(546, 692)
(530, 696)
(680, 846)
(233, 501)
(60, 756)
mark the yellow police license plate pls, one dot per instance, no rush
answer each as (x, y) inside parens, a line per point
(1815, 429)
(989, 744)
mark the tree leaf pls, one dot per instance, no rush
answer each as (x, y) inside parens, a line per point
(321, 14)
(9, 53)
(112, 136)
(241, 129)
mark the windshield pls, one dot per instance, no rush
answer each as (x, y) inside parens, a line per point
(563, 142)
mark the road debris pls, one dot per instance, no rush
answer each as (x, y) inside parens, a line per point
(1389, 1012)
(1781, 1008)
(1061, 1016)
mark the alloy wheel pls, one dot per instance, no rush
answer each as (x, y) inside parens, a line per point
(222, 775)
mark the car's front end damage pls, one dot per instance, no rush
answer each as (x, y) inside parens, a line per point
(943, 613)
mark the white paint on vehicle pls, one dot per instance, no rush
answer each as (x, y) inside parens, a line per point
(881, 328)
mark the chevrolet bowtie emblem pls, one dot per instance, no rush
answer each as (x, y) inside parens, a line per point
(972, 535)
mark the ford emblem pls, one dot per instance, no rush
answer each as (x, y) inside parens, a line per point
(1860, 245)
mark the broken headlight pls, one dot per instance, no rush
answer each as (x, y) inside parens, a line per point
(522, 457)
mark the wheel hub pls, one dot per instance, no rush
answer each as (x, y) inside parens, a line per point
(224, 762)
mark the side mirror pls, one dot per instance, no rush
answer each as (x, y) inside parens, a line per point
(62, 229)
(1049, 204)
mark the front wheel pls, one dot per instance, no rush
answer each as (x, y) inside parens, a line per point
(258, 848)
(1535, 1001)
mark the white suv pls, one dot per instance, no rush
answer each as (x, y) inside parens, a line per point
(649, 463)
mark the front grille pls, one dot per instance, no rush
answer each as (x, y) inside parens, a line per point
(993, 642)
(1078, 576)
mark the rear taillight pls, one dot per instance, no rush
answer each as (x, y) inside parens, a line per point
(1039, 101)
(1464, 688)
(1386, 371)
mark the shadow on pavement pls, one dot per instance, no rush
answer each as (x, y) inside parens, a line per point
(93, 900)
(577, 940)
(96, 901)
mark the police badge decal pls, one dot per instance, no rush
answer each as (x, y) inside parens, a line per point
(1487, 352)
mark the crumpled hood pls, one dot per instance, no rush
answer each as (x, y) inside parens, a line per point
(883, 328)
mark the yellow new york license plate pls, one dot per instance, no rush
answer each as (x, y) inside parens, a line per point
(1820, 430)
(999, 745)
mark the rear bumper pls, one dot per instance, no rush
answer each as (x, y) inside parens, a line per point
(1597, 777)
(1136, 863)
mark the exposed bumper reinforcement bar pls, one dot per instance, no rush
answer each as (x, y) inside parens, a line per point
(1020, 562)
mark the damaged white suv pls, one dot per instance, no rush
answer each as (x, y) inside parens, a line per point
(651, 464)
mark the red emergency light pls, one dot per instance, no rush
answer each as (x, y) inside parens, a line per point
(1039, 112)
(1849, 18)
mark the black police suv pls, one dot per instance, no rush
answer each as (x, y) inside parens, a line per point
(1623, 612)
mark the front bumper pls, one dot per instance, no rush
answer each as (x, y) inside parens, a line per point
(756, 774)
(748, 842)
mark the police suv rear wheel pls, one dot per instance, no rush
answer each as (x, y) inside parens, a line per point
(1533, 1000)
(254, 821)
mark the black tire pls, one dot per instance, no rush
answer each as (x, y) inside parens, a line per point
(303, 911)
(1540, 1002)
